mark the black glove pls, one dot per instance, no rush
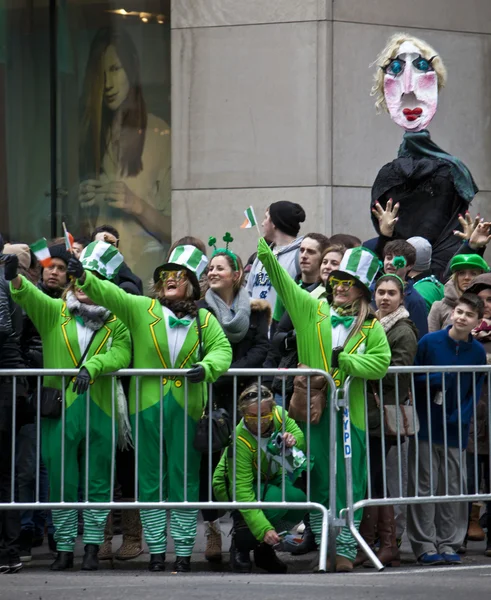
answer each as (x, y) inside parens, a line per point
(10, 264)
(82, 381)
(75, 268)
(197, 374)
(335, 357)
(291, 340)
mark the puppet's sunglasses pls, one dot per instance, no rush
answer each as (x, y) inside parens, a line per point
(177, 276)
(253, 419)
(346, 283)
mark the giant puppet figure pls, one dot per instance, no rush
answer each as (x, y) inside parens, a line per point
(431, 186)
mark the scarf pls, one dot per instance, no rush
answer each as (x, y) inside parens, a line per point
(235, 319)
(483, 332)
(389, 321)
(93, 317)
(418, 144)
(350, 310)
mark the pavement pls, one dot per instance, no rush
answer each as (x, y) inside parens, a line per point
(131, 580)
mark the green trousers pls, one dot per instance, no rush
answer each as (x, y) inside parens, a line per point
(168, 470)
(346, 544)
(283, 518)
(64, 486)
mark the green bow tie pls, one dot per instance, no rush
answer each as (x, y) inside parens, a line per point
(338, 320)
(173, 322)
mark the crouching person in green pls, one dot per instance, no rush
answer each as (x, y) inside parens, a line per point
(77, 333)
(255, 529)
(344, 339)
(168, 333)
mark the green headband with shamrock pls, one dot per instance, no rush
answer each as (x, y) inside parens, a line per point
(228, 239)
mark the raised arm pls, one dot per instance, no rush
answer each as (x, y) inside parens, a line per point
(41, 309)
(299, 304)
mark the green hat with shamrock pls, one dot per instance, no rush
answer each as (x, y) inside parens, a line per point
(468, 261)
(103, 258)
(361, 264)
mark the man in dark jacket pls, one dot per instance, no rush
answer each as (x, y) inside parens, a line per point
(10, 358)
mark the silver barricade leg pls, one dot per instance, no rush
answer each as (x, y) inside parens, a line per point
(161, 436)
(459, 416)
(333, 513)
(63, 409)
(186, 433)
(259, 398)
(234, 444)
(113, 438)
(210, 447)
(14, 424)
(398, 441)
(87, 443)
(349, 481)
(445, 431)
(137, 445)
(367, 441)
(38, 436)
(475, 400)
(382, 437)
(430, 434)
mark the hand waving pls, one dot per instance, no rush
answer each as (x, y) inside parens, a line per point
(387, 218)
(468, 225)
(481, 235)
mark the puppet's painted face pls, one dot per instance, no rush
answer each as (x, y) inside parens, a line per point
(411, 88)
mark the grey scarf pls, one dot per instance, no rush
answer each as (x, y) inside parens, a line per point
(234, 320)
(93, 316)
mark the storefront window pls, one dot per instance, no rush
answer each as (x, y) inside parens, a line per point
(113, 137)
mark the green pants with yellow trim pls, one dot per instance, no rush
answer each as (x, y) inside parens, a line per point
(65, 487)
(169, 452)
(282, 517)
(346, 544)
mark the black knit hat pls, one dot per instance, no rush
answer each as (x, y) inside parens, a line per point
(59, 251)
(287, 216)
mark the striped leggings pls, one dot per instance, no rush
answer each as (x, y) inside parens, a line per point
(66, 527)
(183, 527)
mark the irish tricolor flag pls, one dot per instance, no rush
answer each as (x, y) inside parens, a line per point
(250, 219)
(41, 251)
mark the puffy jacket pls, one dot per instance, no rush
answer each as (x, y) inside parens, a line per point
(441, 310)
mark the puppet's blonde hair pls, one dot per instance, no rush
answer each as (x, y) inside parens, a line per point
(390, 51)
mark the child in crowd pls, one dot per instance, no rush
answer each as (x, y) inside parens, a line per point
(436, 531)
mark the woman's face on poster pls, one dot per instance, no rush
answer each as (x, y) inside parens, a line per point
(116, 84)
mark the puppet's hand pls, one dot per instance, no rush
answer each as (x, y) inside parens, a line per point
(480, 236)
(387, 218)
(468, 225)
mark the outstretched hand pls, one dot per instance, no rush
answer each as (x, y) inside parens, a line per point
(480, 236)
(387, 218)
(468, 225)
(75, 268)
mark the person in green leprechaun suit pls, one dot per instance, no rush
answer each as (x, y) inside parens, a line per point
(344, 339)
(165, 335)
(78, 333)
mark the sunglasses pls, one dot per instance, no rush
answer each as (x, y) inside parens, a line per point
(265, 395)
(346, 283)
(178, 276)
(253, 419)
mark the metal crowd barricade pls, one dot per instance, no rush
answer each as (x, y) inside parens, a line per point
(175, 374)
(423, 408)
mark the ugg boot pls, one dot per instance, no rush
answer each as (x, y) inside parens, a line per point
(368, 527)
(106, 550)
(388, 552)
(213, 551)
(475, 533)
(132, 535)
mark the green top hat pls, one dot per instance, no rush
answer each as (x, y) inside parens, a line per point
(103, 258)
(362, 264)
(468, 261)
(189, 258)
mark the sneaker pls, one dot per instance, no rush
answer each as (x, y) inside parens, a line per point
(487, 552)
(451, 558)
(25, 545)
(15, 567)
(430, 559)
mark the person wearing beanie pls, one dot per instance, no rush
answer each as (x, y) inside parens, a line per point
(424, 282)
(168, 332)
(464, 268)
(53, 277)
(281, 225)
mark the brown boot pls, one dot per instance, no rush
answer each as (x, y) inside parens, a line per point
(132, 535)
(213, 551)
(343, 564)
(106, 549)
(368, 527)
(388, 552)
(475, 533)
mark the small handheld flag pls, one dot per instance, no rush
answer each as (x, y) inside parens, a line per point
(41, 251)
(68, 239)
(250, 219)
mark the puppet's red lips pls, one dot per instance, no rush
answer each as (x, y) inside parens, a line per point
(412, 114)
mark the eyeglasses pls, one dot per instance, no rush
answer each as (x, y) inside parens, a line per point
(178, 276)
(253, 419)
(347, 283)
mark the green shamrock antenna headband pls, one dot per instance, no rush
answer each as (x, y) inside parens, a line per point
(399, 262)
(228, 239)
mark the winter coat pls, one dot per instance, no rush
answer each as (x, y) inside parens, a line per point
(246, 466)
(403, 342)
(441, 310)
(428, 286)
(416, 307)
(10, 329)
(482, 411)
(249, 353)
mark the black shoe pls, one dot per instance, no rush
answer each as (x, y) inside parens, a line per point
(157, 562)
(52, 542)
(90, 560)
(265, 558)
(182, 564)
(63, 561)
(308, 543)
(25, 545)
(37, 541)
(240, 561)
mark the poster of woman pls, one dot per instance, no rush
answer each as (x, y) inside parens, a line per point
(124, 154)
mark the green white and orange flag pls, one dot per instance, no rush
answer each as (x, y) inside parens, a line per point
(68, 239)
(250, 219)
(41, 251)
